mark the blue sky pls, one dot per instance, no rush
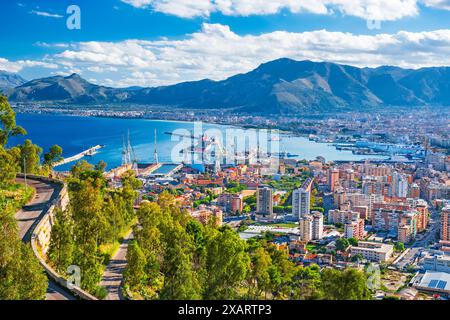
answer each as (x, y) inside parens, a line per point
(156, 42)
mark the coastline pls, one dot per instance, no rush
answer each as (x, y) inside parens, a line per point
(72, 113)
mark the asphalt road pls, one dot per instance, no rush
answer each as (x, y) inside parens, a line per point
(30, 214)
(419, 245)
(113, 275)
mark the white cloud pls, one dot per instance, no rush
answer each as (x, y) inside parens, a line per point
(439, 4)
(365, 9)
(46, 14)
(138, 3)
(216, 52)
(17, 66)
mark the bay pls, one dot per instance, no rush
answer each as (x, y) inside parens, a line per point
(76, 134)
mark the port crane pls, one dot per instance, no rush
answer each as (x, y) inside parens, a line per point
(128, 154)
(212, 150)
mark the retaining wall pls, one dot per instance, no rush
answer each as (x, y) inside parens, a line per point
(40, 237)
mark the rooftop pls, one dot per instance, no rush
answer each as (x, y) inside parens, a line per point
(374, 246)
(435, 281)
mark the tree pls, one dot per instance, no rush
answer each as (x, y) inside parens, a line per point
(135, 275)
(62, 243)
(350, 284)
(86, 193)
(115, 215)
(260, 275)
(129, 180)
(101, 166)
(281, 272)
(353, 242)
(8, 168)
(81, 167)
(307, 283)
(53, 156)
(30, 157)
(8, 126)
(196, 231)
(21, 276)
(399, 247)
(87, 258)
(31, 278)
(319, 209)
(181, 282)
(313, 197)
(226, 266)
(358, 257)
(342, 244)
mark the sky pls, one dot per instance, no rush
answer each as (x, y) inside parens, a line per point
(123, 43)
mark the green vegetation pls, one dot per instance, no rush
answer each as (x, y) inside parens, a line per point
(8, 126)
(288, 183)
(277, 225)
(172, 257)
(15, 196)
(342, 244)
(250, 203)
(175, 257)
(399, 247)
(95, 221)
(350, 284)
(235, 187)
(21, 276)
(282, 209)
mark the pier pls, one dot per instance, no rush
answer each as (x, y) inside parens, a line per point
(89, 152)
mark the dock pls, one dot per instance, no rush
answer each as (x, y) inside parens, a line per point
(89, 152)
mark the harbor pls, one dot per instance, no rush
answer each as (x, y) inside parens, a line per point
(48, 130)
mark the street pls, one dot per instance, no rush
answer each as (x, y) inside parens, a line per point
(421, 244)
(113, 275)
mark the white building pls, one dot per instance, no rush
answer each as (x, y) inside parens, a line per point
(373, 251)
(305, 225)
(350, 229)
(301, 199)
(437, 262)
(400, 183)
(317, 232)
(434, 282)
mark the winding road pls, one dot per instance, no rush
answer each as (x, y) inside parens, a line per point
(29, 215)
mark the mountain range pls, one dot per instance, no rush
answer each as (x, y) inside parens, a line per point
(283, 86)
(10, 81)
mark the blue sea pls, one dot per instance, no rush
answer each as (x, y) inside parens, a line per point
(76, 134)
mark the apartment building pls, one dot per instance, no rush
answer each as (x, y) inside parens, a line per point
(264, 201)
(354, 229)
(301, 199)
(317, 232)
(305, 225)
(373, 251)
(231, 203)
(445, 223)
(437, 262)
